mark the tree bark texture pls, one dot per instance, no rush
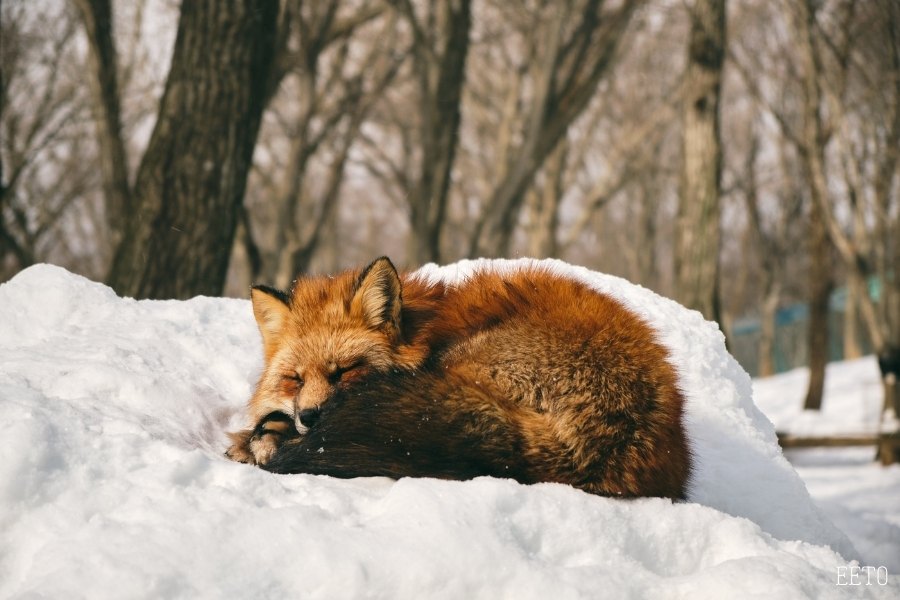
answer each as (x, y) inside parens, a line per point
(575, 59)
(542, 239)
(191, 181)
(98, 22)
(887, 230)
(771, 298)
(697, 231)
(440, 81)
(852, 345)
(812, 154)
(820, 286)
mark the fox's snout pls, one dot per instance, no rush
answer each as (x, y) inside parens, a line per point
(315, 393)
(307, 417)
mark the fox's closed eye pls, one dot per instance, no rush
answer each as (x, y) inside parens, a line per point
(292, 379)
(349, 371)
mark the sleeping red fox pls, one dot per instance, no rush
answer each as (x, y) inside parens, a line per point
(527, 375)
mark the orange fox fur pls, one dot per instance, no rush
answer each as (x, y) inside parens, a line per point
(527, 375)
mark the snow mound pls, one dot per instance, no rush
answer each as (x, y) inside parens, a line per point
(113, 484)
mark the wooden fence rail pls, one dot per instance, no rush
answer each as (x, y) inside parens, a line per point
(887, 443)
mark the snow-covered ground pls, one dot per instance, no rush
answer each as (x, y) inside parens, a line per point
(113, 484)
(851, 404)
(858, 495)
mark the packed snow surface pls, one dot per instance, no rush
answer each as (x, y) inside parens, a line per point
(113, 483)
(852, 404)
(857, 493)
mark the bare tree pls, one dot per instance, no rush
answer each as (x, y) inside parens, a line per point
(697, 231)
(318, 117)
(189, 187)
(412, 138)
(571, 54)
(840, 63)
(97, 16)
(438, 64)
(827, 90)
(809, 139)
(812, 142)
(621, 177)
(545, 201)
(772, 238)
(42, 117)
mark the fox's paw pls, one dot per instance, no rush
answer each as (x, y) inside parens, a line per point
(265, 446)
(257, 446)
(240, 450)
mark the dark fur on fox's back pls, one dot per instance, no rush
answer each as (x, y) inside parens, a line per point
(398, 427)
(446, 427)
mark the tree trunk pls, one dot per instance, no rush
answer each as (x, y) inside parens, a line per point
(190, 185)
(543, 242)
(98, 22)
(820, 286)
(697, 232)
(887, 230)
(303, 256)
(767, 335)
(812, 153)
(889, 365)
(289, 205)
(855, 287)
(441, 79)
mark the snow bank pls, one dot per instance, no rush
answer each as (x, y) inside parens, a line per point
(857, 493)
(112, 482)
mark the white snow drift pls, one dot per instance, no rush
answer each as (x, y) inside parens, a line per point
(113, 484)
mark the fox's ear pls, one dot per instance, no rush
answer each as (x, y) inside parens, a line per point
(271, 308)
(377, 296)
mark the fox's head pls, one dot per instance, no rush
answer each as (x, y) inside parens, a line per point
(326, 335)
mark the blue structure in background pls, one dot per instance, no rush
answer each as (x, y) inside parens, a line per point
(789, 348)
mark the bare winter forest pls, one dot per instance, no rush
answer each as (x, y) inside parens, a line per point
(741, 156)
